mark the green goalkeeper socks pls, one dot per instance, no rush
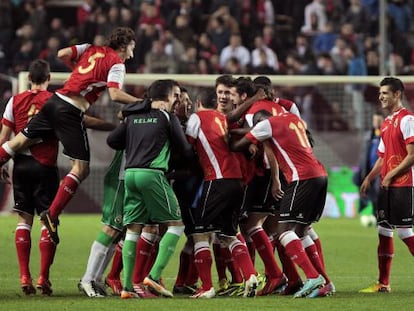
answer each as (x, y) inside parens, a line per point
(166, 250)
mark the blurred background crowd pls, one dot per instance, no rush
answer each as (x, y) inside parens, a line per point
(326, 37)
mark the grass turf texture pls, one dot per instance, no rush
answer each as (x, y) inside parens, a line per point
(350, 256)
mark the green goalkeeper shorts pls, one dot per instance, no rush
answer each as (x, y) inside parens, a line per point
(114, 193)
(149, 198)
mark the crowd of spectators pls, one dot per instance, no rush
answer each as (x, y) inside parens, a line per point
(301, 37)
(210, 37)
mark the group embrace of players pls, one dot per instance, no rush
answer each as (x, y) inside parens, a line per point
(230, 195)
(213, 174)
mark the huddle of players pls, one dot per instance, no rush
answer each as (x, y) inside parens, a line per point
(243, 190)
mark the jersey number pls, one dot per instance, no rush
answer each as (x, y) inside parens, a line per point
(300, 133)
(92, 63)
(32, 111)
(223, 128)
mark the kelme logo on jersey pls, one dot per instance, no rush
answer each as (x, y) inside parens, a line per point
(145, 120)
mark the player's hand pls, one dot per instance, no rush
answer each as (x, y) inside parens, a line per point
(364, 187)
(4, 175)
(277, 191)
(386, 181)
(254, 150)
(260, 94)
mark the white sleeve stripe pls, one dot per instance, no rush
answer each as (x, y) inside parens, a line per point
(81, 48)
(8, 112)
(210, 154)
(193, 126)
(262, 130)
(407, 126)
(295, 174)
(117, 74)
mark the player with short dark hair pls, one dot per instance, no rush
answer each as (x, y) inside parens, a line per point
(35, 174)
(35, 177)
(95, 68)
(147, 137)
(220, 200)
(395, 166)
(304, 197)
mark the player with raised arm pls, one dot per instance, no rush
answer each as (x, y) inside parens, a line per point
(218, 208)
(147, 137)
(304, 198)
(95, 68)
(35, 174)
(258, 202)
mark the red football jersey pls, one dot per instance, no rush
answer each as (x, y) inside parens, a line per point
(207, 131)
(268, 105)
(289, 142)
(397, 131)
(97, 68)
(19, 110)
(288, 105)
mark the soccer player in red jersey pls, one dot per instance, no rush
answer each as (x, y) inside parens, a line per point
(35, 175)
(257, 201)
(304, 197)
(95, 68)
(222, 255)
(395, 165)
(220, 201)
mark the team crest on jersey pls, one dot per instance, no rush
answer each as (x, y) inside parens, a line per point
(395, 123)
(118, 219)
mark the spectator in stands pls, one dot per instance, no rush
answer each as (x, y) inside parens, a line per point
(188, 61)
(6, 27)
(146, 37)
(338, 55)
(348, 34)
(398, 67)
(173, 46)
(401, 14)
(263, 67)
(357, 15)
(263, 56)
(233, 66)
(315, 17)
(24, 56)
(220, 26)
(372, 61)
(237, 50)
(99, 40)
(324, 41)
(58, 30)
(84, 11)
(23, 34)
(114, 18)
(204, 67)
(127, 18)
(157, 61)
(302, 48)
(325, 64)
(183, 32)
(150, 16)
(356, 62)
(103, 25)
(37, 19)
(206, 48)
(49, 53)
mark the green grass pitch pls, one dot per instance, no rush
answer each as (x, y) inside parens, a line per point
(349, 250)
